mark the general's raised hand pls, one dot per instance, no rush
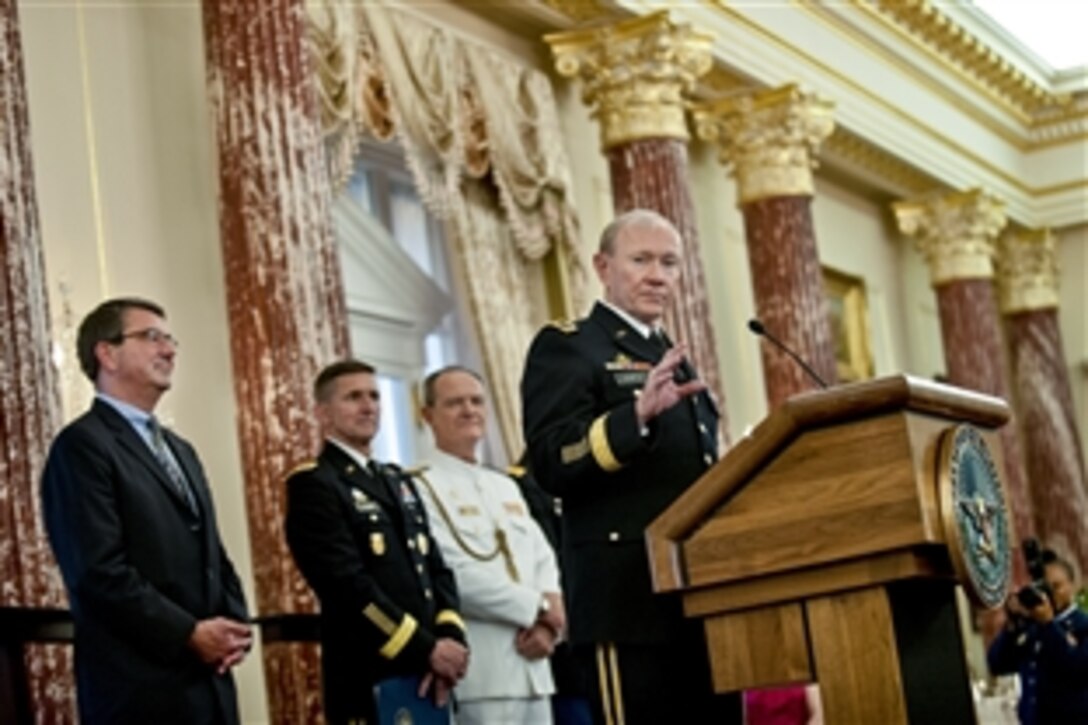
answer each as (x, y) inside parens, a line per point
(661, 390)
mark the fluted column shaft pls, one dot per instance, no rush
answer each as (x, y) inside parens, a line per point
(284, 294)
(29, 394)
(1028, 285)
(769, 141)
(956, 234)
(636, 75)
(788, 286)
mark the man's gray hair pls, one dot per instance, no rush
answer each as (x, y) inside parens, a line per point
(632, 218)
(430, 383)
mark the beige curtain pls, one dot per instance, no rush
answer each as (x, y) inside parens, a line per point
(481, 136)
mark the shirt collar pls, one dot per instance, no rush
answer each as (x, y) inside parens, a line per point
(641, 327)
(352, 453)
(127, 410)
(446, 459)
(1068, 611)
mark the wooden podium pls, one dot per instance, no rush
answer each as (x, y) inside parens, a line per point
(815, 551)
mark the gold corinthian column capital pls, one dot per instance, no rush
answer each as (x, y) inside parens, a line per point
(1027, 271)
(635, 74)
(768, 138)
(955, 233)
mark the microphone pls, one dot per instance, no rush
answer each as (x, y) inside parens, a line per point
(757, 327)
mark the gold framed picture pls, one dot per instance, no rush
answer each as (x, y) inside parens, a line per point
(848, 315)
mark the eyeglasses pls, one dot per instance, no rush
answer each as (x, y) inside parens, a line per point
(149, 334)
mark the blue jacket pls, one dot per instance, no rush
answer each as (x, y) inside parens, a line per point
(1052, 661)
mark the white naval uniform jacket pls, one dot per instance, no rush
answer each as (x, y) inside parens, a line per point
(477, 499)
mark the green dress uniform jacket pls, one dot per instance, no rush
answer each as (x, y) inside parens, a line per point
(579, 390)
(362, 541)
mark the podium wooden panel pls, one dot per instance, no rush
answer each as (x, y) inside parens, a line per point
(815, 551)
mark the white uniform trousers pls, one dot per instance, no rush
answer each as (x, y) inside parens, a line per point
(512, 711)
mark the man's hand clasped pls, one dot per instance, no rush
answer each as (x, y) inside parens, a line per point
(449, 663)
(539, 640)
(221, 642)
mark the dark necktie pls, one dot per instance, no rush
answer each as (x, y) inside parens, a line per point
(169, 465)
(378, 473)
(659, 341)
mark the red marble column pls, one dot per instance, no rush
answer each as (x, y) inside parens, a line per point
(769, 139)
(284, 293)
(1055, 461)
(974, 352)
(29, 394)
(955, 233)
(1027, 275)
(653, 174)
(788, 286)
(636, 75)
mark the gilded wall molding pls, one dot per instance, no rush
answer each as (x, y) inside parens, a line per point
(1027, 271)
(892, 173)
(954, 232)
(769, 139)
(636, 74)
(924, 21)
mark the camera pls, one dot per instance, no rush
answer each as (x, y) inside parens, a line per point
(1035, 593)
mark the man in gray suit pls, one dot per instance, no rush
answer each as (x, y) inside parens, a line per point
(159, 611)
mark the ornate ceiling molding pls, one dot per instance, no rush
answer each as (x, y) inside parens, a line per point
(888, 172)
(926, 23)
(979, 133)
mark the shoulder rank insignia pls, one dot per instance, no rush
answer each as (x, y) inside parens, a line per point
(415, 471)
(302, 467)
(567, 327)
(516, 471)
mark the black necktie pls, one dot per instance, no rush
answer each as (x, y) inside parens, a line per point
(170, 466)
(378, 473)
(657, 337)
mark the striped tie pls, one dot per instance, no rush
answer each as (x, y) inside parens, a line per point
(166, 460)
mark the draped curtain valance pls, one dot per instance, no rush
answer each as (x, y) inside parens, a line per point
(470, 120)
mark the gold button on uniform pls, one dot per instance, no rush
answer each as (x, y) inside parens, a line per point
(702, 427)
(708, 459)
(614, 536)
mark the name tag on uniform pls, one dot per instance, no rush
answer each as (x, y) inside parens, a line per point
(468, 510)
(630, 378)
(628, 373)
(513, 508)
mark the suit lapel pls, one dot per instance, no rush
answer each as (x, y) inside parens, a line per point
(130, 440)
